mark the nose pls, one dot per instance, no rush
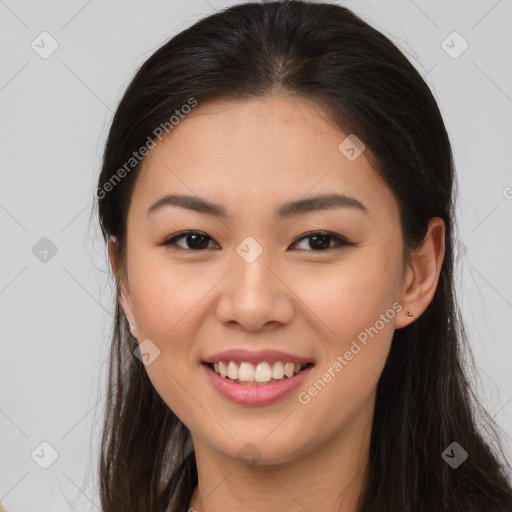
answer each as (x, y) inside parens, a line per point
(255, 295)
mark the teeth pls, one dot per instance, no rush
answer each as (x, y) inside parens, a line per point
(278, 370)
(232, 370)
(262, 373)
(246, 372)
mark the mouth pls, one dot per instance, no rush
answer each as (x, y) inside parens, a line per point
(253, 384)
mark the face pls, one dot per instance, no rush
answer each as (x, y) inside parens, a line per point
(322, 285)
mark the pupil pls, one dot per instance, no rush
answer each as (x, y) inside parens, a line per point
(322, 244)
(194, 237)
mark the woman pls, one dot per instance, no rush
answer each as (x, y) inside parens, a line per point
(277, 194)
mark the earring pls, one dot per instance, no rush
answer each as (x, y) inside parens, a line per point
(409, 313)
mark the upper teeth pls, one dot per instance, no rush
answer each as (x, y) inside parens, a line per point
(262, 372)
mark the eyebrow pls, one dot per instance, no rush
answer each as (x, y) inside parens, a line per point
(290, 209)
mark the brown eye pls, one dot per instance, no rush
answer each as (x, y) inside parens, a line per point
(321, 241)
(195, 240)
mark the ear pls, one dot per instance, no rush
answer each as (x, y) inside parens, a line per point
(422, 273)
(123, 288)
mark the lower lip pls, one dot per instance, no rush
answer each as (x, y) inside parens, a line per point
(255, 395)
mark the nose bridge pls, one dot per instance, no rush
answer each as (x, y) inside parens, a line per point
(253, 295)
(252, 275)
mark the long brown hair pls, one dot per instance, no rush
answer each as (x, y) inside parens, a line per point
(424, 401)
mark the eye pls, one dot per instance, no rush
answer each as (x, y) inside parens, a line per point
(196, 239)
(320, 240)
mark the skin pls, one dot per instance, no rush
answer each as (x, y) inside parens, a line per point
(251, 156)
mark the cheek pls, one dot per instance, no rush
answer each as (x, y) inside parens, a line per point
(357, 308)
(166, 305)
(164, 296)
(354, 310)
(349, 296)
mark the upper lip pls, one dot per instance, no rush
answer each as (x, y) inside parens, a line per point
(257, 356)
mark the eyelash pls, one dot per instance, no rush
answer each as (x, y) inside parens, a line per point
(341, 241)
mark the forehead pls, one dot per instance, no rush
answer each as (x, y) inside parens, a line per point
(263, 151)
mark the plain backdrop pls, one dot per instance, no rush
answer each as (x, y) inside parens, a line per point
(56, 299)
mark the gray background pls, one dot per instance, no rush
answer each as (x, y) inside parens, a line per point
(55, 112)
